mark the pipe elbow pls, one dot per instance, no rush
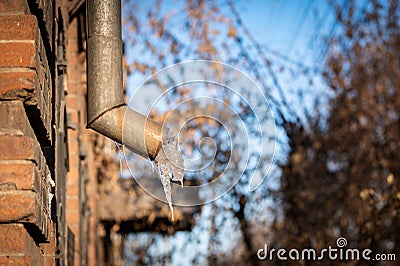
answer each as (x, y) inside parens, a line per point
(137, 132)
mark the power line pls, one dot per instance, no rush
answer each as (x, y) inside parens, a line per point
(324, 49)
(287, 59)
(300, 24)
(260, 51)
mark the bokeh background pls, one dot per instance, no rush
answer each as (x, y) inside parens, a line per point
(330, 72)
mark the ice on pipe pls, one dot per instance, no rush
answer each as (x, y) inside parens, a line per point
(170, 165)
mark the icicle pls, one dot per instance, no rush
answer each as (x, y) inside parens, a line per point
(119, 156)
(170, 166)
(164, 175)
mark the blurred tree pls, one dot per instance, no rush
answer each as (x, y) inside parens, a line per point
(207, 30)
(342, 177)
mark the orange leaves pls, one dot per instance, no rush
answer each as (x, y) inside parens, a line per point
(157, 26)
(207, 48)
(366, 193)
(142, 68)
(351, 167)
(390, 179)
(232, 31)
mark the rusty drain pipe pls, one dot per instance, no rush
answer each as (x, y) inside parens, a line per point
(107, 113)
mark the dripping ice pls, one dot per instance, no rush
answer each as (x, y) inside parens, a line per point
(170, 166)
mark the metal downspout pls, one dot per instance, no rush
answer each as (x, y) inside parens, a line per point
(107, 113)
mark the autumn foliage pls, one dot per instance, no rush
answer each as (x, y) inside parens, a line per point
(340, 175)
(342, 178)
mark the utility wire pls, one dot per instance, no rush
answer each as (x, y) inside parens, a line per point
(287, 59)
(300, 25)
(266, 61)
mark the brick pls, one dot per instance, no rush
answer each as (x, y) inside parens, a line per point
(14, 239)
(73, 46)
(26, 206)
(71, 102)
(13, 119)
(22, 46)
(72, 202)
(23, 174)
(25, 86)
(72, 189)
(74, 118)
(73, 134)
(72, 59)
(73, 163)
(17, 247)
(50, 248)
(23, 206)
(73, 148)
(17, 205)
(18, 55)
(14, 147)
(73, 75)
(72, 176)
(16, 260)
(15, 129)
(74, 230)
(18, 86)
(18, 27)
(13, 7)
(72, 88)
(22, 163)
(72, 218)
(73, 29)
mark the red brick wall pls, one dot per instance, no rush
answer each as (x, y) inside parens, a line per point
(28, 233)
(48, 159)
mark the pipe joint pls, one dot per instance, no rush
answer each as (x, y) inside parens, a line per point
(107, 112)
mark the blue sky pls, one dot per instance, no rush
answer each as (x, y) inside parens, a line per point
(289, 27)
(291, 33)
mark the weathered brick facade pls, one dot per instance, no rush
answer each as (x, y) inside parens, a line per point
(47, 157)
